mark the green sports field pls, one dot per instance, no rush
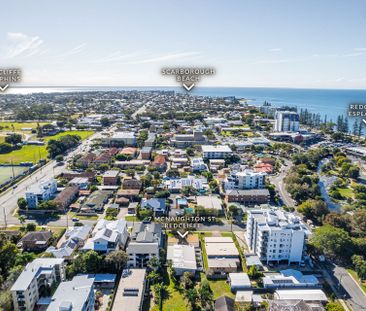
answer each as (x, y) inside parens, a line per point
(32, 153)
(6, 172)
(8, 126)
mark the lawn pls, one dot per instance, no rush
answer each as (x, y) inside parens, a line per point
(28, 153)
(82, 134)
(8, 126)
(346, 192)
(355, 276)
(174, 301)
(72, 215)
(226, 234)
(219, 288)
(32, 153)
(131, 218)
(202, 236)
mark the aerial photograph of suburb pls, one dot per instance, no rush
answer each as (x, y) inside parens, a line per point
(197, 155)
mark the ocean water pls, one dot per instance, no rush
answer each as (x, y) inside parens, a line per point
(326, 102)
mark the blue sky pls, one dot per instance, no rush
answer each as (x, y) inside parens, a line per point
(282, 43)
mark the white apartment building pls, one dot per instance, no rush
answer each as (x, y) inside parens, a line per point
(216, 151)
(43, 191)
(287, 121)
(38, 274)
(246, 179)
(276, 236)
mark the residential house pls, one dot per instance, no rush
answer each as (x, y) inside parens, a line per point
(157, 205)
(82, 182)
(211, 204)
(129, 151)
(290, 278)
(176, 185)
(146, 153)
(110, 178)
(197, 164)
(160, 163)
(77, 294)
(35, 241)
(131, 183)
(239, 281)
(86, 160)
(104, 158)
(183, 258)
(224, 303)
(96, 201)
(74, 238)
(107, 236)
(222, 256)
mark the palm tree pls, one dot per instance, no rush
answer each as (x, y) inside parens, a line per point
(192, 297)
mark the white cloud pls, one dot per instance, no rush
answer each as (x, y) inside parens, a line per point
(20, 44)
(75, 50)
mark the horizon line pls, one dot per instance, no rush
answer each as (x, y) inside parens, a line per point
(170, 86)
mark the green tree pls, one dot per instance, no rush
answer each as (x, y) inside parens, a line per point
(6, 301)
(5, 148)
(205, 294)
(22, 203)
(333, 242)
(59, 158)
(30, 227)
(360, 266)
(192, 297)
(8, 253)
(118, 259)
(334, 306)
(89, 262)
(105, 122)
(313, 209)
(186, 280)
(13, 139)
(154, 263)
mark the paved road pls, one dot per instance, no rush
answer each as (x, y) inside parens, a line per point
(139, 111)
(277, 180)
(9, 198)
(347, 288)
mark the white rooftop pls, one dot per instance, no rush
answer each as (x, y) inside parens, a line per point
(183, 256)
(216, 148)
(72, 294)
(302, 294)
